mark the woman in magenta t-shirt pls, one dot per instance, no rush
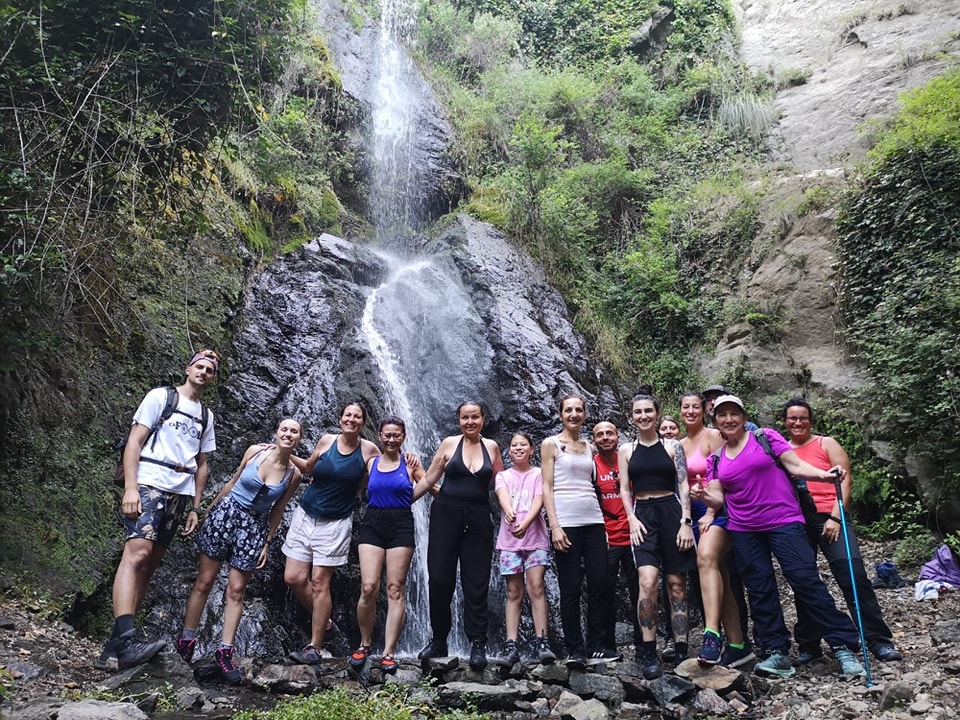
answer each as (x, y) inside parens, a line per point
(765, 519)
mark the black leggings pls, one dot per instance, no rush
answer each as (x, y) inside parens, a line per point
(459, 532)
(587, 556)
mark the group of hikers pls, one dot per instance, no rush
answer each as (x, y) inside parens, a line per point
(715, 505)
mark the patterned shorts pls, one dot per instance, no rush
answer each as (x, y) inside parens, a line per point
(233, 534)
(515, 562)
(160, 518)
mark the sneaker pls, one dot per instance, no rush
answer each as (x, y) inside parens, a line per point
(849, 665)
(108, 657)
(224, 658)
(388, 664)
(511, 653)
(669, 653)
(478, 655)
(605, 655)
(735, 657)
(434, 649)
(544, 650)
(807, 656)
(308, 656)
(577, 660)
(710, 651)
(683, 652)
(359, 657)
(886, 652)
(777, 665)
(131, 651)
(185, 648)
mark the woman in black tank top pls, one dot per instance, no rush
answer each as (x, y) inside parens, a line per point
(656, 497)
(461, 532)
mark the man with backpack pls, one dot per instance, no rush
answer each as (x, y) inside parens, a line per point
(164, 474)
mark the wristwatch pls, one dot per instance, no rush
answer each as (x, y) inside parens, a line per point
(687, 521)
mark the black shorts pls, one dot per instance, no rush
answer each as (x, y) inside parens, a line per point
(387, 528)
(661, 517)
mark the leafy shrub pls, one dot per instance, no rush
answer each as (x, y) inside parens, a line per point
(915, 549)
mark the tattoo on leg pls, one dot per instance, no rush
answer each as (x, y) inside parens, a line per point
(679, 618)
(647, 614)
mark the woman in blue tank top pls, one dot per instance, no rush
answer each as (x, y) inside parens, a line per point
(386, 538)
(237, 529)
(319, 536)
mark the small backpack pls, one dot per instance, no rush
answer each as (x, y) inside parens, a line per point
(169, 405)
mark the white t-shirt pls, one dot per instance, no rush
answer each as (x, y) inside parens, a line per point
(178, 440)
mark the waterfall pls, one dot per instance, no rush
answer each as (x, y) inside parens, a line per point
(395, 101)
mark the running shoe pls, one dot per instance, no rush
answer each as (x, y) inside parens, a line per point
(710, 651)
(133, 651)
(388, 664)
(849, 665)
(777, 665)
(734, 657)
(359, 657)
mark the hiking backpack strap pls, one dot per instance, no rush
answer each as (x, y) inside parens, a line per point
(807, 504)
(168, 407)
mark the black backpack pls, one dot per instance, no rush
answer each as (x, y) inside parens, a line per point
(800, 489)
(169, 406)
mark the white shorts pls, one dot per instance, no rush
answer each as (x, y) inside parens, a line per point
(322, 543)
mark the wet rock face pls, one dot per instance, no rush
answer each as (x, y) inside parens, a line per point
(473, 318)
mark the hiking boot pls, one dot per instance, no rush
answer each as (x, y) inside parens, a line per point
(108, 656)
(669, 653)
(478, 655)
(886, 652)
(710, 650)
(308, 656)
(734, 657)
(131, 651)
(649, 666)
(511, 654)
(434, 649)
(224, 658)
(807, 656)
(605, 655)
(545, 652)
(849, 665)
(777, 665)
(185, 648)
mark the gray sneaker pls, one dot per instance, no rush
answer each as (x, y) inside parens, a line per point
(849, 665)
(108, 656)
(777, 665)
(132, 651)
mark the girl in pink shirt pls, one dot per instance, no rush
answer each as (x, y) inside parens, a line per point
(524, 546)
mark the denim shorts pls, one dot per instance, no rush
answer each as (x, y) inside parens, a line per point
(233, 534)
(161, 515)
(515, 562)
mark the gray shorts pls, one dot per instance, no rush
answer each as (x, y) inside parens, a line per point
(161, 515)
(324, 543)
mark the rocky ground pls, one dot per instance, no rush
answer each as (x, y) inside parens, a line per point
(46, 669)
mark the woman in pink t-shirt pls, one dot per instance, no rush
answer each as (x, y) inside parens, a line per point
(524, 546)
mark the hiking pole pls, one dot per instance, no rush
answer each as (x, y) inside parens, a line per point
(853, 579)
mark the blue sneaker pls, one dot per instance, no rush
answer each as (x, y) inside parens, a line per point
(734, 657)
(710, 652)
(777, 665)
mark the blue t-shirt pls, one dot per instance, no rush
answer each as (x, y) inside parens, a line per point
(390, 489)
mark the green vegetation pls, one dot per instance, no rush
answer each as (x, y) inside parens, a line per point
(615, 175)
(393, 702)
(899, 244)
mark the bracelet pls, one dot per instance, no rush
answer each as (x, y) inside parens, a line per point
(835, 519)
(196, 510)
